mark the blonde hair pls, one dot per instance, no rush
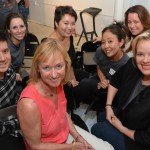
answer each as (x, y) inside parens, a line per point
(143, 36)
(42, 54)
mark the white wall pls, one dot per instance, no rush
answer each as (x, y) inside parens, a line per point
(42, 12)
(129, 3)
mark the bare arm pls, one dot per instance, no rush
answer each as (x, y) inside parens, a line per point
(77, 136)
(97, 39)
(26, 3)
(30, 122)
(73, 80)
(112, 118)
(110, 96)
(73, 130)
(117, 123)
(100, 74)
(103, 81)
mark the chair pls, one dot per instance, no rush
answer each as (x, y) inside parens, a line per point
(88, 50)
(93, 12)
(31, 43)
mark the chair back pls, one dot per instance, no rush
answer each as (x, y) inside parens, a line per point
(88, 50)
(31, 43)
(90, 46)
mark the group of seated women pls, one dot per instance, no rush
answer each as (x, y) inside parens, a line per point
(41, 108)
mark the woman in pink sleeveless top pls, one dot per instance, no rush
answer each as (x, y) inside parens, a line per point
(42, 105)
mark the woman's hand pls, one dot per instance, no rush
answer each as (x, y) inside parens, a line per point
(74, 83)
(18, 77)
(103, 84)
(83, 141)
(109, 113)
(96, 39)
(79, 146)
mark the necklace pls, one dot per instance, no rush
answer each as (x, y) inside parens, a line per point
(51, 95)
(46, 91)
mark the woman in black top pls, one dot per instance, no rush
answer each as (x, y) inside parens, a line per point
(129, 128)
(65, 19)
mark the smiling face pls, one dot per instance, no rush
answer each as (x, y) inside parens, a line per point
(17, 30)
(111, 45)
(134, 24)
(143, 57)
(5, 58)
(52, 71)
(66, 26)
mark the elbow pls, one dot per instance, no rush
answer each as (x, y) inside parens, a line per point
(35, 146)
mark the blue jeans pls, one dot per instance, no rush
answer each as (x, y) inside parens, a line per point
(25, 13)
(104, 130)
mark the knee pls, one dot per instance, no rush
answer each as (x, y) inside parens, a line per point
(83, 85)
(99, 130)
(95, 129)
(87, 83)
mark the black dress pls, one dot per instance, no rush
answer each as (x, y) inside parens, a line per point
(79, 74)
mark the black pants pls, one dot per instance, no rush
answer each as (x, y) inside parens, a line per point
(87, 89)
(8, 142)
(87, 92)
(69, 91)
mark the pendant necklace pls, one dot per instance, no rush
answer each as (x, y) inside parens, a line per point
(51, 95)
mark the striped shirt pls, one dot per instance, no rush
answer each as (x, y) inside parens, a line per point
(9, 97)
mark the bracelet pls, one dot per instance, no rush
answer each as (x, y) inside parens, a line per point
(108, 105)
(77, 137)
(73, 144)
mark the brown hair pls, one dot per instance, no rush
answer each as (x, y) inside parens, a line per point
(9, 19)
(144, 17)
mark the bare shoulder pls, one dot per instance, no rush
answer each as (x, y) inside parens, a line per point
(27, 106)
(52, 35)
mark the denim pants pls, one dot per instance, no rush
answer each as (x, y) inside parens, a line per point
(25, 13)
(104, 130)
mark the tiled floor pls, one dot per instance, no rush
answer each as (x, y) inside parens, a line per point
(43, 31)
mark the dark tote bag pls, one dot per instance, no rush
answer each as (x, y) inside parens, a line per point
(7, 141)
(77, 120)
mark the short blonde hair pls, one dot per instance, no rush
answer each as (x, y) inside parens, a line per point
(143, 36)
(42, 54)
